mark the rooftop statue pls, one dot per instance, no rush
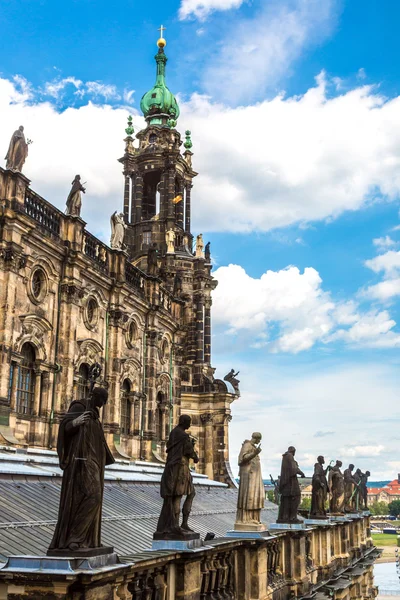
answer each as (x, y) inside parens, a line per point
(356, 500)
(170, 240)
(176, 482)
(364, 490)
(74, 200)
(199, 246)
(349, 484)
(83, 455)
(118, 227)
(319, 490)
(289, 488)
(336, 486)
(231, 378)
(17, 150)
(251, 486)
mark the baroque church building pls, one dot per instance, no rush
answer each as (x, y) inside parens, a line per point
(142, 310)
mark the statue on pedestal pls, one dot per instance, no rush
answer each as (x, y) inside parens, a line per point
(170, 239)
(74, 200)
(17, 150)
(336, 486)
(83, 455)
(231, 377)
(176, 482)
(118, 227)
(289, 488)
(207, 252)
(152, 260)
(349, 483)
(251, 486)
(199, 246)
(356, 500)
(319, 490)
(364, 490)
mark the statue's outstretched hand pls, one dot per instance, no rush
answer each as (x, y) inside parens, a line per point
(82, 419)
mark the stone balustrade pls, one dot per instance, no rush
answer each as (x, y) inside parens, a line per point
(334, 561)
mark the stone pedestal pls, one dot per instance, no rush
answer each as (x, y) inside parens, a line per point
(249, 527)
(60, 564)
(287, 527)
(187, 541)
(318, 522)
(83, 552)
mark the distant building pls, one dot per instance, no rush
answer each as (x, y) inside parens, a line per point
(387, 494)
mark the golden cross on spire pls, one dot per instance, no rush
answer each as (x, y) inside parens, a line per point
(162, 29)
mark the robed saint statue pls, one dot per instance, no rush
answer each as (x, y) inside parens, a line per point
(289, 488)
(83, 454)
(251, 486)
(17, 150)
(176, 482)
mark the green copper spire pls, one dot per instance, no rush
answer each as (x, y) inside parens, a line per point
(159, 105)
(188, 141)
(130, 130)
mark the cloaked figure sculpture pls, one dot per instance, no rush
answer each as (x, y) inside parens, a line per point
(152, 260)
(349, 485)
(17, 150)
(336, 486)
(289, 488)
(83, 454)
(319, 490)
(251, 486)
(118, 227)
(176, 482)
(74, 200)
(364, 490)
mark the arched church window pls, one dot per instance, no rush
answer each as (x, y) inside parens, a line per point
(83, 382)
(152, 138)
(126, 408)
(26, 380)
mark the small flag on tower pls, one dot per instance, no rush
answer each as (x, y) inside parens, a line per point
(177, 199)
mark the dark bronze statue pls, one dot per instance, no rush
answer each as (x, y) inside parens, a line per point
(152, 255)
(17, 150)
(336, 486)
(277, 496)
(207, 252)
(356, 500)
(231, 377)
(176, 482)
(319, 490)
(349, 484)
(177, 290)
(74, 200)
(364, 490)
(83, 455)
(289, 488)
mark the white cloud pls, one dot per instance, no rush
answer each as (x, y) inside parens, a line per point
(383, 243)
(362, 451)
(57, 86)
(389, 265)
(298, 160)
(103, 90)
(200, 9)
(288, 311)
(262, 49)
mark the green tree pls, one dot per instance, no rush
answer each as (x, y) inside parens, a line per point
(271, 496)
(306, 503)
(394, 508)
(378, 508)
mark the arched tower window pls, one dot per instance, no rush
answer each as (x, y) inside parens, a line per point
(126, 408)
(26, 380)
(83, 382)
(161, 421)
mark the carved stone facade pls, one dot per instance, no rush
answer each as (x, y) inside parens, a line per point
(68, 300)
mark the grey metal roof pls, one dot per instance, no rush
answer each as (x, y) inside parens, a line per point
(29, 495)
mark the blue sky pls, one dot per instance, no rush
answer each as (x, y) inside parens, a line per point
(295, 116)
